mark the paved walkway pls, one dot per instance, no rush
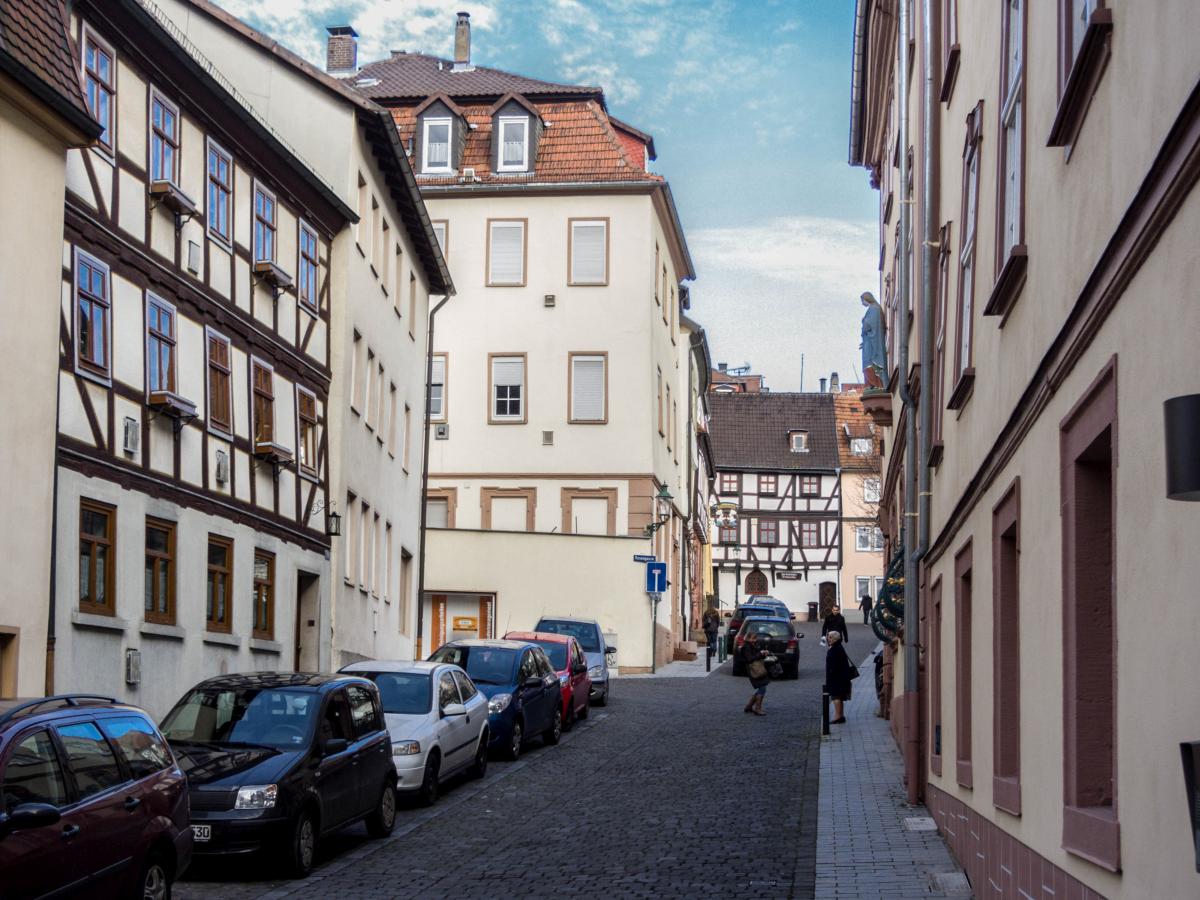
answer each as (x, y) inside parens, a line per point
(870, 842)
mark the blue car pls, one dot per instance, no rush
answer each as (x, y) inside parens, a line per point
(524, 696)
(595, 648)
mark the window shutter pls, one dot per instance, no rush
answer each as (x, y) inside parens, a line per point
(508, 371)
(588, 252)
(437, 513)
(507, 253)
(437, 384)
(587, 388)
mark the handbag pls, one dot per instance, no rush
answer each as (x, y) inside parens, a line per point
(853, 671)
(757, 669)
(774, 669)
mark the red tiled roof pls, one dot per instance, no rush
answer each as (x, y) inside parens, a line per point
(578, 144)
(35, 48)
(853, 422)
(410, 75)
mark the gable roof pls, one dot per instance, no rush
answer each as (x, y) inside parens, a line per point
(37, 52)
(411, 75)
(853, 422)
(750, 431)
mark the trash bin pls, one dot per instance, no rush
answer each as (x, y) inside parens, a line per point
(812, 612)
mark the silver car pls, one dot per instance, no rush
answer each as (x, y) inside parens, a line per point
(595, 648)
(437, 720)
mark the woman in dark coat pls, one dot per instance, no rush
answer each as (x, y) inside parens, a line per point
(748, 654)
(837, 676)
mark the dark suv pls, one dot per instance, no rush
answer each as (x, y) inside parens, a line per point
(91, 800)
(276, 760)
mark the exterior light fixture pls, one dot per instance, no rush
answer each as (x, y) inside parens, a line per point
(1181, 420)
(662, 503)
(333, 524)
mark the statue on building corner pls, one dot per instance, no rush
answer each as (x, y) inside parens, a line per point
(874, 356)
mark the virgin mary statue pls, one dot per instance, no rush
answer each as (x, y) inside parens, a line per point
(874, 356)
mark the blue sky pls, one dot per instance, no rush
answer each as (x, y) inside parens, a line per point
(749, 106)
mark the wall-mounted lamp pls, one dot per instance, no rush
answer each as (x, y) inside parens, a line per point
(662, 504)
(333, 522)
(1181, 421)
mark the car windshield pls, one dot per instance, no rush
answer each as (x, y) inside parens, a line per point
(485, 665)
(584, 632)
(747, 611)
(766, 628)
(278, 718)
(403, 693)
(557, 653)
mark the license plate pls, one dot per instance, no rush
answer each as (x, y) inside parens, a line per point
(201, 832)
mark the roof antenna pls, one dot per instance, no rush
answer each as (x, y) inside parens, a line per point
(802, 373)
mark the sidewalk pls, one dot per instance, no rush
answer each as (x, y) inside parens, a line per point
(692, 668)
(870, 842)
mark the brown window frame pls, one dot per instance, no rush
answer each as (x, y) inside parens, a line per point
(219, 196)
(307, 423)
(412, 304)
(964, 372)
(308, 265)
(572, 224)
(523, 398)
(154, 561)
(109, 542)
(661, 433)
(951, 49)
(771, 538)
(940, 318)
(262, 624)
(264, 226)
(1079, 70)
(219, 382)
(810, 485)
(159, 341)
(163, 142)
(84, 361)
(963, 666)
(262, 401)
(443, 415)
(225, 573)
(487, 262)
(729, 484)
(768, 485)
(107, 86)
(728, 536)
(654, 275)
(936, 662)
(1006, 651)
(813, 529)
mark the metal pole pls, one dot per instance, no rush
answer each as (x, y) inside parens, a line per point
(824, 709)
(653, 635)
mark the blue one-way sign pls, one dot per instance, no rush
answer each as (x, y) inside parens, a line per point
(656, 578)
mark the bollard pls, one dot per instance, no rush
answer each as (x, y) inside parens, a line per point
(824, 709)
(709, 652)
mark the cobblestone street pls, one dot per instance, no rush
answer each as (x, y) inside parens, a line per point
(668, 792)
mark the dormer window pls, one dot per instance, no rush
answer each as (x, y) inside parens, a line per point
(435, 146)
(798, 441)
(514, 144)
(860, 446)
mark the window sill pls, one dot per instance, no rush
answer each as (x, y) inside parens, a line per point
(222, 242)
(218, 639)
(1093, 833)
(160, 630)
(964, 773)
(962, 391)
(101, 378)
(309, 308)
(1084, 78)
(950, 73)
(1008, 284)
(1006, 794)
(935, 454)
(99, 622)
(262, 645)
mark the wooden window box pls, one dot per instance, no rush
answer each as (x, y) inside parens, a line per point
(171, 404)
(1009, 283)
(1084, 78)
(272, 452)
(169, 194)
(272, 274)
(878, 405)
(962, 391)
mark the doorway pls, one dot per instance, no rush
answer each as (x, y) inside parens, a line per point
(306, 656)
(456, 616)
(8, 662)
(826, 596)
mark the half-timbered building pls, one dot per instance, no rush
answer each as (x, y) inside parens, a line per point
(194, 375)
(776, 457)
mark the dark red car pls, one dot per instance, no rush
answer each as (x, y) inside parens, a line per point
(91, 801)
(571, 665)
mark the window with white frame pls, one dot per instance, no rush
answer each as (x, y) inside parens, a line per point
(514, 144)
(870, 490)
(435, 145)
(867, 538)
(1011, 115)
(862, 587)
(589, 402)
(508, 388)
(506, 252)
(589, 251)
(860, 446)
(798, 441)
(437, 389)
(441, 231)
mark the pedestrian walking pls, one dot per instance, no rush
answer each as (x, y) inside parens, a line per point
(711, 625)
(835, 621)
(865, 605)
(839, 672)
(751, 657)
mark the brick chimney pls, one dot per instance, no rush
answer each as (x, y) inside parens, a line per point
(462, 43)
(341, 51)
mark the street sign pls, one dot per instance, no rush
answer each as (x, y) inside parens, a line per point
(656, 577)
(644, 557)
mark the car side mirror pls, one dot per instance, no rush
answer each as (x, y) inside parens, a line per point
(333, 746)
(611, 648)
(533, 682)
(579, 668)
(453, 709)
(27, 816)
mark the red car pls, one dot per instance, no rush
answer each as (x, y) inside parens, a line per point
(570, 662)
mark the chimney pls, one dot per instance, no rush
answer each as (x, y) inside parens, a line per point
(462, 43)
(822, 380)
(835, 384)
(722, 366)
(341, 51)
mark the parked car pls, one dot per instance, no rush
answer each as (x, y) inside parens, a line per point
(595, 648)
(777, 635)
(277, 760)
(437, 720)
(92, 802)
(746, 611)
(524, 697)
(570, 663)
(764, 600)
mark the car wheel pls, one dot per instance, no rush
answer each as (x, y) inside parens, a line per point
(513, 750)
(602, 700)
(156, 879)
(428, 792)
(551, 735)
(479, 766)
(382, 819)
(794, 674)
(302, 849)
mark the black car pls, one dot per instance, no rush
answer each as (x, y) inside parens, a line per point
(92, 803)
(276, 760)
(743, 612)
(779, 636)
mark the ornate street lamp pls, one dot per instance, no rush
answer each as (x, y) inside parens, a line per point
(662, 505)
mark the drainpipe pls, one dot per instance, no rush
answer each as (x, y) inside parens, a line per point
(425, 481)
(51, 640)
(930, 248)
(903, 294)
